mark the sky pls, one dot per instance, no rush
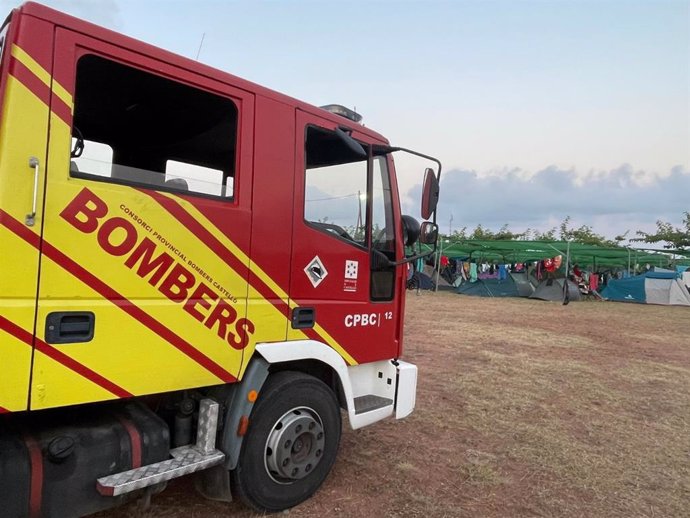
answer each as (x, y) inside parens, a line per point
(538, 110)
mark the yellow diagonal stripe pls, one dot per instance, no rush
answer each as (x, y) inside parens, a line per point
(41, 73)
(256, 270)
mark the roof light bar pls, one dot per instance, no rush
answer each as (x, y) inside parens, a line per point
(343, 112)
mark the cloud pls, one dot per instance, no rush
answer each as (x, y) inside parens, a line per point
(102, 12)
(610, 201)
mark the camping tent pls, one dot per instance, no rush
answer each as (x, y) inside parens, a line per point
(515, 285)
(552, 289)
(490, 288)
(523, 283)
(420, 281)
(649, 288)
(437, 279)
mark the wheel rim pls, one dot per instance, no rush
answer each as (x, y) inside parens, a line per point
(295, 445)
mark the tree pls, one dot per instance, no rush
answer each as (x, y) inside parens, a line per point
(676, 238)
(481, 233)
(506, 235)
(459, 235)
(548, 235)
(586, 235)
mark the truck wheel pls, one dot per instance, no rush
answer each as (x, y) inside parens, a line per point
(291, 443)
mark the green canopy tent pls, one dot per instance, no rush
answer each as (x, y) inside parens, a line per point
(591, 256)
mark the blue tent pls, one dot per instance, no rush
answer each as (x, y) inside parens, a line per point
(648, 288)
(490, 288)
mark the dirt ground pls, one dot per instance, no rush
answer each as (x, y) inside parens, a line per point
(524, 408)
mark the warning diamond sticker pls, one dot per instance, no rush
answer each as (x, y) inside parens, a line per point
(316, 271)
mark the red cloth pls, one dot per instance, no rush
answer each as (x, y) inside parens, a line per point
(549, 265)
(594, 281)
(444, 261)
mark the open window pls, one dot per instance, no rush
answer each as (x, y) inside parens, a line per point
(142, 129)
(335, 187)
(348, 195)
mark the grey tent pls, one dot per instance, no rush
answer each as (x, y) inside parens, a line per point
(523, 284)
(552, 289)
(433, 274)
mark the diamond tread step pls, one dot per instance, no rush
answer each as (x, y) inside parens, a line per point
(186, 460)
(371, 402)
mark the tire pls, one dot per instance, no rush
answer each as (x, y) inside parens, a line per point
(291, 444)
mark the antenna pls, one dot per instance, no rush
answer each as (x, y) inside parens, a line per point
(200, 45)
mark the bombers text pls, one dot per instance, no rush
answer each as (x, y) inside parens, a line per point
(88, 213)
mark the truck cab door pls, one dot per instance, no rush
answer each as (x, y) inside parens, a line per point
(143, 283)
(346, 208)
(25, 91)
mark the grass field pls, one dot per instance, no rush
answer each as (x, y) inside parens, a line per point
(524, 408)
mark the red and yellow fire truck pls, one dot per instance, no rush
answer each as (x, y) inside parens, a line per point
(198, 274)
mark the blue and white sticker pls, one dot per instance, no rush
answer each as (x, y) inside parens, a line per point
(351, 273)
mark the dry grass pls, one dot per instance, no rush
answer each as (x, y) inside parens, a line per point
(525, 408)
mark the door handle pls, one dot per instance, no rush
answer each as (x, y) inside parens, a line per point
(31, 218)
(303, 318)
(67, 327)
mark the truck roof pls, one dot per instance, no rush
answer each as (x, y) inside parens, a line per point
(95, 31)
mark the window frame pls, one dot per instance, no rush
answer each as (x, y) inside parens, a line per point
(82, 52)
(367, 241)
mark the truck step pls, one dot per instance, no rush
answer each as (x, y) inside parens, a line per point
(185, 459)
(371, 402)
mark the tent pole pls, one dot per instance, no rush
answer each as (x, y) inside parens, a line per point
(567, 267)
(438, 265)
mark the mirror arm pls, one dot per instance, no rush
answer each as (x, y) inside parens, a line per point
(381, 148)
(413, 258)
(380, 263)
(391, 149)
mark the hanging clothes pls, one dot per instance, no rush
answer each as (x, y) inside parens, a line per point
(502, 272)
(594, 281)
(473, 272)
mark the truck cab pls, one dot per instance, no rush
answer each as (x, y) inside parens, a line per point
(186, 252)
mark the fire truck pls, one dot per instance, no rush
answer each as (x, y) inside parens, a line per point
(199, 275)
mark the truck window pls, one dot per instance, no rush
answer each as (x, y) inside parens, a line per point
(96, 158)
(335, 187)
(145, 130)
(199, 178)
(383, 230)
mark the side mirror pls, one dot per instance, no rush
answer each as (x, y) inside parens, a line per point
(428, 233)
(410, 230)
(430, 193)
(351, 143)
